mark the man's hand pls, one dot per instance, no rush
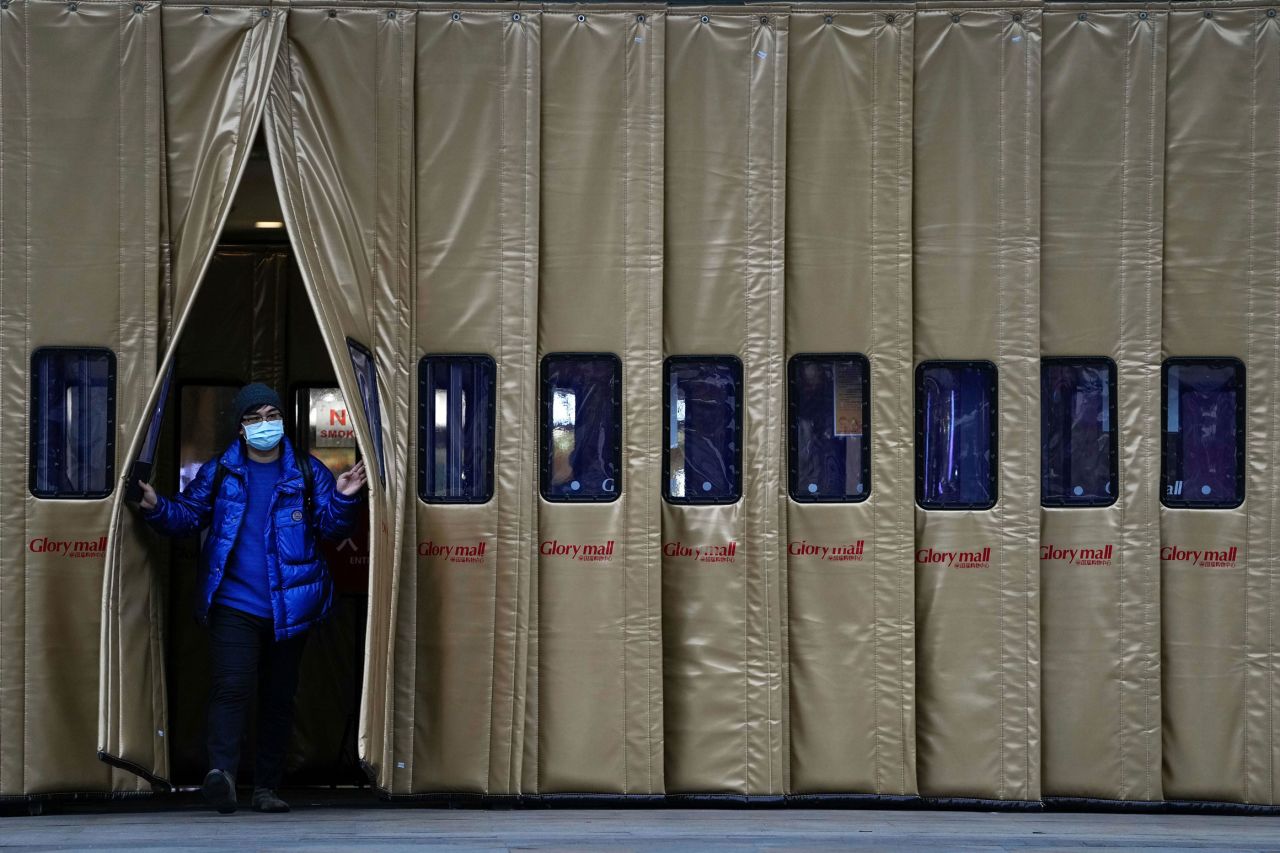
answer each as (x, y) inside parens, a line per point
(348, 484)
(148, 501)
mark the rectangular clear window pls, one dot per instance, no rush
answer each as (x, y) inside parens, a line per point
(456, 428)
(1204, 419)
(73, 422)
(702, 397)
(581, 427)
(367, 381)
(1079, 448)
(830, 407)
(956, 432)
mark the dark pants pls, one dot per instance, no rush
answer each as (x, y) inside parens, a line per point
(244, 653)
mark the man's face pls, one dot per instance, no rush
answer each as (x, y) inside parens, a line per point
(259, 415)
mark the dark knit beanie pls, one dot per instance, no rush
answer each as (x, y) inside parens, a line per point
(252, 396)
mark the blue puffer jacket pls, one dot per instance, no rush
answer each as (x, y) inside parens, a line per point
(301, 588)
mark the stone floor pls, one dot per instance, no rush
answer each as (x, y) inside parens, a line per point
(320, 823)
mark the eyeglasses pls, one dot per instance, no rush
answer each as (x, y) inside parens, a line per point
(270, 418)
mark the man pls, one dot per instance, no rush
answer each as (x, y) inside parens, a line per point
(262, 582)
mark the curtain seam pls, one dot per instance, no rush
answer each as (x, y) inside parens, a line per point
(872, 199)
(1123, 505)
(907, 693)
(1149, 511)
(1001, 496)
(1248, 348)
(626, 339)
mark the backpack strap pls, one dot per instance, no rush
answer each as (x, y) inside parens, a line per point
(218, 477)
(308, 484)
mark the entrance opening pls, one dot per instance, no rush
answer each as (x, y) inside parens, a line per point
(252, 321)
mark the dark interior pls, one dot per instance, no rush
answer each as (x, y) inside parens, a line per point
(252, 321)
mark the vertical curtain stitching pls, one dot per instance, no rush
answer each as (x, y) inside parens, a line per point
(878, 734)
(1002, 293)
(1152, 728)
(1122, 503)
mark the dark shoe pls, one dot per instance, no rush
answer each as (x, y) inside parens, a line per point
(265, 800)
(220, 791)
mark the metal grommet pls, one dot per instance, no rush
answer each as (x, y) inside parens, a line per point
(889, 19)
(1082, 16)
(333, 13)
(582, 19)
(457, 16)
(266, 13)
(1271, 13)
(516, 16)
(705, 19)
(1142, 16)
(764, 20)
(206, 10)
(391, 16)
(955, 19)
(1017, 19)
(828, 19)
(639, 19)
(73, 6)
(1208, 13)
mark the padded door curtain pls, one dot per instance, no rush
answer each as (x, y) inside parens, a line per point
(464, 628)
(80, 266)
(1100, 297)
(215, 61)
(851, 584)
(976, 301)
(340, 133)
(1222, 266)
(114, 181)
(644, 200)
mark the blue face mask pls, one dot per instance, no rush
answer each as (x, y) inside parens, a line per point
(264, 436)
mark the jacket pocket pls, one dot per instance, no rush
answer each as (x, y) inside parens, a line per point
(295, 542)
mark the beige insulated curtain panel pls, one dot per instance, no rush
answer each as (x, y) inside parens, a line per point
(697, 357)
(1102, 220)
(599, 660)
(976, 291)
(1221, 324)
(340, 133)
(79, 269)
(850, 538)
(463, 615)
(214, 75)
(723, 598)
